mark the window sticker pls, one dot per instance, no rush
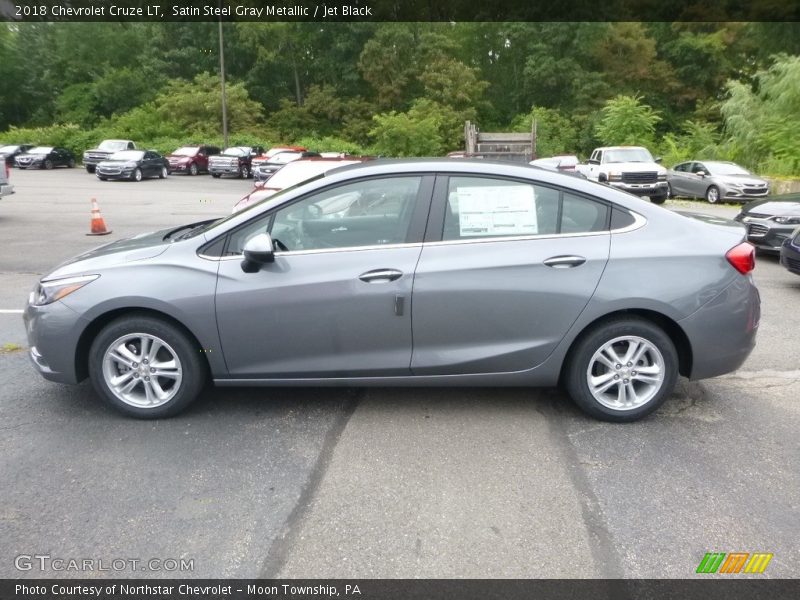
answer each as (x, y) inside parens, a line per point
(496, 210)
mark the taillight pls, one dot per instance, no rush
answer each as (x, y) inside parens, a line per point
(742, 257)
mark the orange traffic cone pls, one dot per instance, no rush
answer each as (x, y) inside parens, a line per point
(98, 223)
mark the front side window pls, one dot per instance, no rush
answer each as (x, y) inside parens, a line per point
(373, 212)
(480, 207)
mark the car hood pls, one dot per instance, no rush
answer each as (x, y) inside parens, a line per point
(743, 179)
(773, 208)
(139, 247)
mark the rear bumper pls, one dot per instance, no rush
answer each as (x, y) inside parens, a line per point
(723, 332)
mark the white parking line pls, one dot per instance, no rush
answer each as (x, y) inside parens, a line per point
(11, 311)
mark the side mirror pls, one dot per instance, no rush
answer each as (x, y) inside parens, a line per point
(657, 159)
(258, 250)
(701, 173)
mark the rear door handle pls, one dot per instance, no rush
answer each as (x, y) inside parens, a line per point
(381, 275)
(564, 262)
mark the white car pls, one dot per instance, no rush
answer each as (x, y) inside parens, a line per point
(292, 174)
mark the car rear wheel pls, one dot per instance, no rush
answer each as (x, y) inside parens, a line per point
(136, 175)
(146, 367)
(71, 163)
(193, 169)
(163, 174)
(712, 194)
(622, 370)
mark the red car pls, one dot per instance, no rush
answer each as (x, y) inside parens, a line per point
(191, 159)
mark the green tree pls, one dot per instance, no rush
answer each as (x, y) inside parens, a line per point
(625, 120)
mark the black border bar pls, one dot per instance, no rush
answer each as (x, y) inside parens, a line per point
(399, 10)
(712, 588)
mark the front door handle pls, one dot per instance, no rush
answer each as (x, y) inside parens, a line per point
(564, 262)
(381, 275)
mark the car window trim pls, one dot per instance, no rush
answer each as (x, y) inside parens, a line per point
(414, 234)
(435, 230)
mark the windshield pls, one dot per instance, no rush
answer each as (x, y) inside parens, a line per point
(9, 148)
(113, 145)
(127, 155)
(627, 155)
(237, 151)
(186, 151)
(41, 150)
(726, 169)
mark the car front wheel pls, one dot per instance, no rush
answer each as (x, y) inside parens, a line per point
(622, 370)
(146, 367)
(712, 194)
(193, 169)
(244, 172)
(136, 175)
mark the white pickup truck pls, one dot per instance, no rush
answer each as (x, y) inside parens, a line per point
(629, 168)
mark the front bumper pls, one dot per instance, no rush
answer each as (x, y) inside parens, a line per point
(790, 255)
(224, 169)
(641, 189)
(114, 173)
(744, 194)
(765, 234)
(93, 161)
(34, 164)
(53, 334)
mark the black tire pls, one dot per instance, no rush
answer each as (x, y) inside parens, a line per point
(136, 175)
(48, 164)
(101, 178)
(89, 169)
(163, 173)
(580, 360)
(193, 170)
(244, 172)
(659, 199)
(712, 194)
(192, 367)
(215, 175)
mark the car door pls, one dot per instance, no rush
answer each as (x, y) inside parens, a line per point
(504, 272)
(697, 183)
(336, 301)
(677, 179)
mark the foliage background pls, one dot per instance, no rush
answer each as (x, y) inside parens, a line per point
(686, 90)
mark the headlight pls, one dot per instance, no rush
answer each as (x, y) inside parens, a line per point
(47, 292)
(129, 165)
(662, 176)
(614, 176)
(788, 220)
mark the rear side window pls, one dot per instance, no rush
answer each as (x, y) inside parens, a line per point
(480, 207)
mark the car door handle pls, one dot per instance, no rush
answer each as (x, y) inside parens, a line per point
(564, 262)
(381, 275)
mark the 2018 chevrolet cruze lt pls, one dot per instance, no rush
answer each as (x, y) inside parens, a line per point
(408, 273)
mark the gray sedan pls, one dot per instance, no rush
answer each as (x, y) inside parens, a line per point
(408, 273)
(715, 181)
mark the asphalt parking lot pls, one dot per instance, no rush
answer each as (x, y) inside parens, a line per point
(432, 483)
